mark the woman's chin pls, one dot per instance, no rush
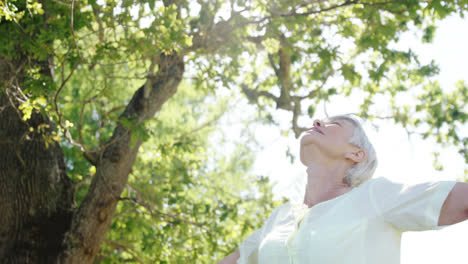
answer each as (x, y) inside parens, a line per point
(306, 162)
(304, 157)
(308, 140)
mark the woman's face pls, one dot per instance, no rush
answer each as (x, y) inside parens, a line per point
(327, 140)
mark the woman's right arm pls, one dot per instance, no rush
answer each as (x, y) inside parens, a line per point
(250, 245)
(231, 259)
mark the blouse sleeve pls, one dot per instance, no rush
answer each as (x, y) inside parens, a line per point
(248, 249)
(410, 207)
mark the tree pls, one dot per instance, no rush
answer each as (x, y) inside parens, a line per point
(82, 82)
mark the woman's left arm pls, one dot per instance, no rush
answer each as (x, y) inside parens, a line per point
(455, 207)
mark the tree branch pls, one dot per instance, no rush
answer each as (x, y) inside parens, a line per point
(273, 64)
(123, 248)
(308, 13)
(62, 85)
(284, 101)
(154, 213)
(296, 113)
(214, 37)
(95, 214)
(253, 94)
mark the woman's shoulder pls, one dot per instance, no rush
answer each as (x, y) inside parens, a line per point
(282, 209)
(381, 182)
(372, 181)
(284, 206)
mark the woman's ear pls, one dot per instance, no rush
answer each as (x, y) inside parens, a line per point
(357, 155)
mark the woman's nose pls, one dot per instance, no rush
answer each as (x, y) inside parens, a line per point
(318, 123)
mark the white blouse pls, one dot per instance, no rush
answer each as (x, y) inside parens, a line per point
(362, 226)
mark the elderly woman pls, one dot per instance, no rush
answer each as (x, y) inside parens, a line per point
(346, 216)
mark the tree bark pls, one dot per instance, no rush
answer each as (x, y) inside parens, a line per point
(36, 195)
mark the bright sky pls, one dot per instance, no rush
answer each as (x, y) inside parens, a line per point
(400, 159)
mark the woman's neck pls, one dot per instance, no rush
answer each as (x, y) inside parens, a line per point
(324, 183)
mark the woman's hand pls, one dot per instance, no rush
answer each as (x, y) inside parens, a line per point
(231, 259)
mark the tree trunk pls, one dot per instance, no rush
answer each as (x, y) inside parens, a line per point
(38, 222)
(36, 196)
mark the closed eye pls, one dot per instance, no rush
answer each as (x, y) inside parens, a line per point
(337, 123)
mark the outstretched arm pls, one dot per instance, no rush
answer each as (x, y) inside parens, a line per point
(455, 207)
(231, 259)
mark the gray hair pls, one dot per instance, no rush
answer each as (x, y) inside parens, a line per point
(362, 171)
